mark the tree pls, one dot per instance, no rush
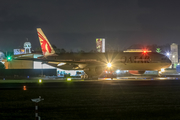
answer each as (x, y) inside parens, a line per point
(38, 49)
(2, 66)
(63, 50)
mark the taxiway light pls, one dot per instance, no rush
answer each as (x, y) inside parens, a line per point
(40, 81)
(109, 65)
(24, 88)
(68, 79)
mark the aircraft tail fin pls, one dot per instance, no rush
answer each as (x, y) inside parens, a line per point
(46, 47)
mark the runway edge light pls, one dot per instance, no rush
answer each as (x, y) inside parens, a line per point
(68, 79)
(40, 80)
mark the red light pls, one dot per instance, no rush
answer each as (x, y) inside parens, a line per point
(145, 51)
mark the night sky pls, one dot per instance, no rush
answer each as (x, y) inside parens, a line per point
(75, 24)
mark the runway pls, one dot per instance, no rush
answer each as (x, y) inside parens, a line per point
(136, 99)
(60, 83)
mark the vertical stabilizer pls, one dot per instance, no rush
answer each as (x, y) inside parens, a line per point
(45, 45)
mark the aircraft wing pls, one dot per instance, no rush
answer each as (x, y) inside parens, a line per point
(66, 65)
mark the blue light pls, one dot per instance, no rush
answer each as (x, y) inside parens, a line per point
(117, 71)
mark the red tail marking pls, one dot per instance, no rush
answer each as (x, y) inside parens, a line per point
(43, 44)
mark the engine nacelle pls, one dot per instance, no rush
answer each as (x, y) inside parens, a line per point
(98, 70)
(136, 72)
(93, 71)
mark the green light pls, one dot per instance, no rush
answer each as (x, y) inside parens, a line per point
(9, 58)
(158, 50)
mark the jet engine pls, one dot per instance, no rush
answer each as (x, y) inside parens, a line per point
(93, 71)
(136, 72)
(98, 70)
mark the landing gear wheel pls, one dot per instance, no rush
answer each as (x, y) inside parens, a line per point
(82, 77)
(111, 77)
(159, 73)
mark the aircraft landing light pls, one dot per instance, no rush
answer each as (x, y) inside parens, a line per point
(162, 78)
(109, 65)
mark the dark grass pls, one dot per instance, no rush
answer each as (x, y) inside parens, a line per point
(95, 101)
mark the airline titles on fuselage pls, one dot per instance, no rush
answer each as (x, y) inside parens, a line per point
(123, 59)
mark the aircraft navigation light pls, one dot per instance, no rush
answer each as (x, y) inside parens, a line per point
(40, 81)
(109, 65)
(162, 69)
(68, 79)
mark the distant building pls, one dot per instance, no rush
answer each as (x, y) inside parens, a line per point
(34, 66)
(100, 45)
(27, 47)
(174, 54)
(19, 51)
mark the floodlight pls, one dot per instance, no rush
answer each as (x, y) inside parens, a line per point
(109, 65)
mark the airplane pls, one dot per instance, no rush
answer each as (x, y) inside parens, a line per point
(94, 64)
